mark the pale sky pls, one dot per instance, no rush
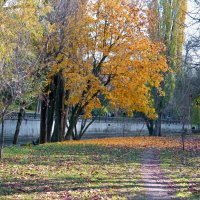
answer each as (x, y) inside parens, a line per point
(191, 28)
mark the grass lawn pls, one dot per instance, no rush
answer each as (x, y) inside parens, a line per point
(183, 168)
(69, 171)
(95, 169)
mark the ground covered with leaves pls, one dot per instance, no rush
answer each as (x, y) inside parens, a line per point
(96, 169)
(183, 169)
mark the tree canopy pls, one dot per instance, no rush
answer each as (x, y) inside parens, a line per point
(107, 51)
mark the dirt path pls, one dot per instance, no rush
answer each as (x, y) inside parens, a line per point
(156, 185)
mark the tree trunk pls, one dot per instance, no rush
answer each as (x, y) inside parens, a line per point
(43, 122)
(66, 107)
(59, 109)
(70, 130)
(157, 131)
(72, 124)
(65, 119)
(150, 126)
(2, 134)
(159, 104)
(50, 112)
(85, 126)
(160, 126)
(19, 122)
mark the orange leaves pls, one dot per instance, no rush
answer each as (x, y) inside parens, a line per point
(108, 52)
(136, 142)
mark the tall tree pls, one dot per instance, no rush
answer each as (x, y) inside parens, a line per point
(19, 30)
(166, 24)
(54, 42)
(113, 57)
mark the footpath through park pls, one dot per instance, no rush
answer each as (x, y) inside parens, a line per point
(156, 185)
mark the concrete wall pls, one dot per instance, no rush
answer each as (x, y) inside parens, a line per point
(29, 130)
(108, 127)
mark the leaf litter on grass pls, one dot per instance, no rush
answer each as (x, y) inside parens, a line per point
(89, 169)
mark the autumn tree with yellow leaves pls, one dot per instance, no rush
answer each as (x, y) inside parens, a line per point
(87, 49)
(107, 51)
(53, 95)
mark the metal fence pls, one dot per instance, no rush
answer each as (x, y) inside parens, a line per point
(97, 119)
(27, 116)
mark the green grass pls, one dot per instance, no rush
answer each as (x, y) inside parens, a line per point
(91, 171)
(60, 171)
(183, 168)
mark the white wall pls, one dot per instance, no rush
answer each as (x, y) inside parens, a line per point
(30, 129)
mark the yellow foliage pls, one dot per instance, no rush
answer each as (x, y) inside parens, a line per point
(108, 52)
(19, 25)
(137, 142)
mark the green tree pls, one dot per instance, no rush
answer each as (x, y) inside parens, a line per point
(166, 24)
(20, 32)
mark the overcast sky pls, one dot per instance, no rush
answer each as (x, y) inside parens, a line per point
(191, 28)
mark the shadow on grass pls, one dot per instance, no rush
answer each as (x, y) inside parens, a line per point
(57, 154)
(86, 154)
(182, 167)
(25, 161)
(62, 184)
(20, 186)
